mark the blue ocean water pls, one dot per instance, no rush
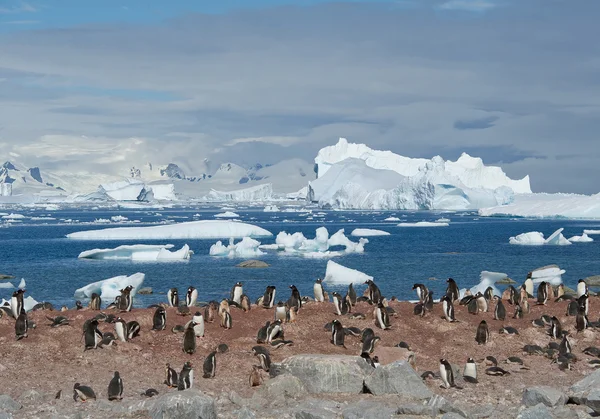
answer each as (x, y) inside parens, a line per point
(38, 251)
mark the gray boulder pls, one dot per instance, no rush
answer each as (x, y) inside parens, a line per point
(368, 409)
(245, 413)
(31, 396)
(282, 386)
(253, 264)
(317, 409)
(549, 396)
(188, 404)
(417, 409)
(326, 373)
(442, 405)
(145, 291)
(397, 378)
(7, 403)
(593, 400)
(539, 411)
(589, 382)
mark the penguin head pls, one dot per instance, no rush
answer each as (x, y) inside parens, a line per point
(319, 280)
(471, 360)
(117, 374)
(76, 385)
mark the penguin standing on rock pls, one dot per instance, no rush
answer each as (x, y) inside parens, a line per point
(83, 393)
(263, 356)
(21, 325)
(382, 318)
(351, 295)
(115, 387)
(121, 329)
(446, 374)
(555, 328)
(422, 292)
(95, 302)
(210, 365)
(280, 312)
(470, 371)
(374, 292)
(337, 302)
(92, 336)
(542, 293)
(452, 290)
(189, 339)
(236, 293)
(16, 302)
(499, 310)
(295, 299)
(198, 321)
(171, 380)
(186, 377)
(255, 378)
(318, 291)
(125, 299)
(448, 308)
(582, 288)
(268, 299)
(173, 297)
(159, 320)
(191, 296)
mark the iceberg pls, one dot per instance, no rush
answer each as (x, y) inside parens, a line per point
(297, 243)
(392, 219)
(338, 274)
(423, 224)
(541, 205)
(254, 193)
(591, 232)
(109, 289)
(203, 229)
(487, 279)
(139, 252)
(6, 285)
(12, 216)
(584, 238)
(245, 248)
(28, 303)
(535, 238)
(368, 232)
(558, 239)
(226, 214)
(551, 274)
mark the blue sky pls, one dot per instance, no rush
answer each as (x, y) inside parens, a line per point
(514, 82)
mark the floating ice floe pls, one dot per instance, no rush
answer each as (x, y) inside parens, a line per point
(226, 214)
(271, 208)
(338, 274)
(368, 232)
(591, 232)
(13, 217)
(51, 207)
(109, 289)
(551, 274)
(442, 220)
(535, 238)
(392, 219)
(204, 229)
(584, 238)
(423, 224)
(102, 221)
(6, 285)
(118, 219)
(139, 252)
(296, 243)
(245, 248)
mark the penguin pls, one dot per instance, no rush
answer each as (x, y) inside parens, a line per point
(376, 363)
(210, 365)
(565, 346)
(189, 339)
(448, 308)
(366, 334)
(466, 298)
(171, 380)
(115, 387)
(222, 348)
(346, 305)
(508, 330)
(582, 288)
(121, 329)
(224, 307)
(472, 306)
(452, 290)
(269, 297)
(295, 299)
(525, 306)
(92, 336)
(499, 310)
(210, 311)
(522, 294)
(351, 295)
(518, 312)
(382, 319)
(151, 392)
(245, 304)
(255, 378)
(16, 303)
(95, 302)
(353, 331)
(173, 297)
(555, 328)
(280, 312)
(159, 320)
(226, 320)
(488, 294)
(262, 335)
(263, 356)
(512, 295)
(191, 296)
(21, 325)
(198, 321)
(125, 299)
(422, 292)
(542, 293)
(429, 301)
(369, 344)
(483, 333)
(581, 321)
(470, 371)
(573, 308)
(83, 393)
(446, 374)
(583, 303)
(528, 284)
(292, 314)
(374, 292)
(186, 377)
(318, 291)
(58, 321)
(274, 331)
(78, 305)
(133, 329)
(482, 304)
(419, 310)
(236, 293)
(338, 334)
(337, 303)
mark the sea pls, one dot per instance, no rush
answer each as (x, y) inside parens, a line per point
(36, 249)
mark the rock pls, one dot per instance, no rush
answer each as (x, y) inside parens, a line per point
(8, 404)
(4, 276)
(245, 413)
(565, 413)
(187, 404)
(417, 410)
(326, 373)
(539, 411)
(505, 281)
(31, 396)
(317, 409)
(253, 263)
(397, 378)
(593, 281)
(483, 411)
(444, 406)
(5, 415)
(145, 291)
(549, 396)
(451, 416)
(588, 383)
(285, 385)
(593, 400)
(368, 409)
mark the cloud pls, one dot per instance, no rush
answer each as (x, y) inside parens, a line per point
(21, 7)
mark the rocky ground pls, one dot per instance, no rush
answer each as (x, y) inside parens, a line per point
(34, 369)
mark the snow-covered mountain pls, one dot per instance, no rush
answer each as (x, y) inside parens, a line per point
(29, 181)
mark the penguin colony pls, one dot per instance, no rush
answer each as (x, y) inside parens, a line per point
(271, 336)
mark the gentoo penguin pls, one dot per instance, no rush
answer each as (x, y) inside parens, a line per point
(452, 290)
(236, 293)
(376, 361)
(210, 311)
(565, 346)
(351, 295)
(583, 303)
(222, 348)
(337, 302)
(512, 297)
(366, 334)
(419, 310)
(295, 299)
(525, 306)
(581, 321)
(472, 306)
(262, 335)
(125, 299)
(523, 295)
(159, 320)
(382, 319)
(582, 288)
(245, 304)
(21, 325)
(499, 310)
(183, 310)
(369, 344)
(555, 328)
(263, 356)
(189, 339)
(274, 331)
(542, 293)
(446, 374)
(528, 284)
(508, 330)
(318, 291)
(518, 312)
(346, 305)
(483, 333)
(224, 307)
(448, 308)
(173, 297)
(171, 380)
(121, 329)
(78, 305)
(280, 312)
(210, 365)
(470, 371)
(191, 296)
(573, 308)
(422, 292)
(92, 336)
(353, 331)
(95, 302)
(186, 377)
(482, 304)
(269, 297)
(83, 393)
(255, 378)
(198, 321)
(338, 334)
(115, 387)
(226, 320)
(374, 293)
(16, 303)
(429, 301)
(58, 321)
(292, 314)
(133, 329)
(151, 392)
(488, 294)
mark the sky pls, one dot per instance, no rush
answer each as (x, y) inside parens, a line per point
(107, 85)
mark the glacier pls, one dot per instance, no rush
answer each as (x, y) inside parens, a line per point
(246, 248)
(341, 275)
(535, 238)
(139, 252)
(541, 205)
(204, 229)
(109, 289)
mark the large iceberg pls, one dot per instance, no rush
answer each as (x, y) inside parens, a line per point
(131, 189)
(109, 289)
(253, 193)
(338, 274)
(541, 205)
(139, 252)
(535, 238)
(204, 229)
(245, 248)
